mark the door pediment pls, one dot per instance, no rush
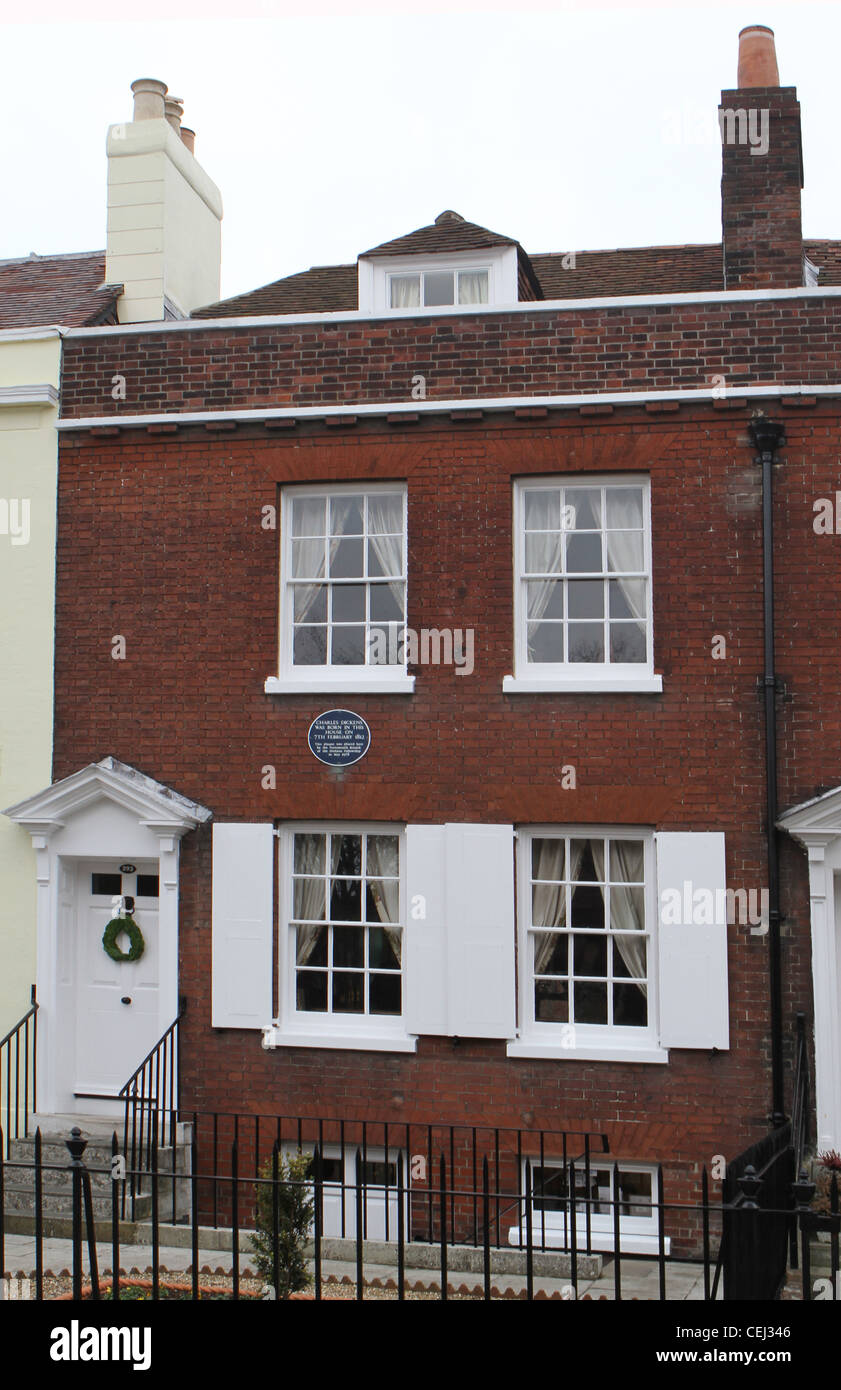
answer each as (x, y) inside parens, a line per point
(149, 803)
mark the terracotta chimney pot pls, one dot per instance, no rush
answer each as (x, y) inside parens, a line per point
(174, 110)
(757, 58)
(188, 137)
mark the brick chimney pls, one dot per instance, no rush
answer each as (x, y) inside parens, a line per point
(761, 172)
(164, 213)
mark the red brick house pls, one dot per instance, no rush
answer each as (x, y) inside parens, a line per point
(506, 904)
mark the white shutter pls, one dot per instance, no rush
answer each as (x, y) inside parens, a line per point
(426, 929)
(480, 931)
(243, 882)
(692, 950)
(460, 953)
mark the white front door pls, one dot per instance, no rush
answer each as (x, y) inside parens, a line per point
(117, 1005)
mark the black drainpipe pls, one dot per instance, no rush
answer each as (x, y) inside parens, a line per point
(768, 436)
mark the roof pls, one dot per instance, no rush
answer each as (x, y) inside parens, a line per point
(66, 289)
(551, 275)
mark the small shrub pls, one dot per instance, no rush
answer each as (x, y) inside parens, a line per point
(294, 1219)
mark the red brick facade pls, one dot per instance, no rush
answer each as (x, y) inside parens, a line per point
(160, 540)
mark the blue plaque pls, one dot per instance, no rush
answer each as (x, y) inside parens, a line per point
(339, 737)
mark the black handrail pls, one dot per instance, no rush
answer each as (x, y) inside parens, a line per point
(800, 1099)
(151, 1097)
(18, 1095)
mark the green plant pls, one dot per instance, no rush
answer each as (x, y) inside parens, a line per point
(294, 1215)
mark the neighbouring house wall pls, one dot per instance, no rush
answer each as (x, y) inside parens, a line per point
(28, 463)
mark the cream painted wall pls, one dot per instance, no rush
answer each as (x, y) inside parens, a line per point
(28, 470)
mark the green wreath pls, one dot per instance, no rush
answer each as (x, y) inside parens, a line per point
(109, 939)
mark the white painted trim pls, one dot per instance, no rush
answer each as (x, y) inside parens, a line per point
(554, 1240)
(275, 1037)
(554, 1053)
(320, 412)
(42, 394)
(375, 272)
(523, 306)
(30, 335)
(323, 685)
(621, 685)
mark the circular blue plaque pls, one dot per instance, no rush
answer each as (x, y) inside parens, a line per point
(339, 737)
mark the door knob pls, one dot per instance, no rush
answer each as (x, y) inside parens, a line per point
(126, 999)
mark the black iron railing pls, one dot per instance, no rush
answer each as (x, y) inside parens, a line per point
(151, 1105)
(19, 1075)
(800, 1100)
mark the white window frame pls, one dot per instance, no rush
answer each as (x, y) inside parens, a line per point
(530, 677)
(420, 273)
(375, 273)
(584, 1041)
(300, 1028)
(638, 1235)
(292, 679)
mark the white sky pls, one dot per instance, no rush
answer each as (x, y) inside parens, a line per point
(331, 127)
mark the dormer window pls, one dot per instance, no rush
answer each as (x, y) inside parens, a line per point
(437, 287)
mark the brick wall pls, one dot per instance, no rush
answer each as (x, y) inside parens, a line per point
(538, 352)
(160, 541)
(761, 179)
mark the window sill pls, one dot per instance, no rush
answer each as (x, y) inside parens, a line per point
(599, 1240)
(561, 685)
(339, 685)
(554, 1052)
(359, 1042)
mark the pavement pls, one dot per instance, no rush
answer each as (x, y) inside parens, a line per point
(640, 1277)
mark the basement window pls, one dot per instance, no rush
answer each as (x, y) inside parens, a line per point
(631, 1186)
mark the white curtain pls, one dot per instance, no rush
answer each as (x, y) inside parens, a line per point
(385, 892)
(473, 287)
(385, 513)
(405, 292)
(549, 899)
(539, 591)
(623, 547)
(309, 893)
(624, 913)
(307, 563)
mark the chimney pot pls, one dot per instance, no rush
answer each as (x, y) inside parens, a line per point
(757, 58)
(174, 110)
(149, 96)
(188, 137)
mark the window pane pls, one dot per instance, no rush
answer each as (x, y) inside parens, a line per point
(543, 552)
(385, 644)
(586, 642)
(635, 949)
(385, 557)
(309, 900)
(624, 551)
(586, 598)
(346, 514)
(545, 642)
(587, 908)
(311, 946)
(551, 1001)
(590, 1002)
(630, 1009)
(348, 993)
(311, 993)
(586, 504)
(385, 606)
(590, 955)
(310, 852)
(308, 559)
(308, 516)
(147, 886)
(385, 513)
(346, 854)
(310, 602)
(543, 509)
(627, 861)
(547, 859)
(584, 553)
(473, 287)
(405, 291)
(348, 603)
(348, 646)
(385, 994)
(345, 900)
(627, 598)
(438, 287)
(623, 508)
(545, 598)
(383, 855)
(309, 646)
(349, 946)
(550, 953)
(106, 885)
(383, 951)
(346, 559)
(627, 643)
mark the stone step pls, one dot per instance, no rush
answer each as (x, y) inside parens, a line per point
(60, 1204)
